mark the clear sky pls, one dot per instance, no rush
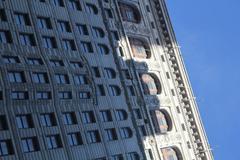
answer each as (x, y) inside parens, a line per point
(208, 32)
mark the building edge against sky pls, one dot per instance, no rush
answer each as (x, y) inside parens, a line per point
(95, 80)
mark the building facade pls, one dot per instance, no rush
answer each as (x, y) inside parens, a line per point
(94, 80)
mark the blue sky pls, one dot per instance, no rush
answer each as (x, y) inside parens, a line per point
(208, 32)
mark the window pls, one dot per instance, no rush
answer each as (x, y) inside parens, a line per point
(65, 95)
(120, 50)
(56, 63)
(69, 118)
(161, 120)
(109, 13)
(88, 117)
(171, 154)
(117, 157)
(53, 141)
(140, 48)
(76, 64)
(96, 72)
(82, 28)
(41, 95)
(6, 147)
(114, 90)
(1, 95)
(22, 19)
(74, 139)
(133, 156)
(93, 136)
(48, 120)
(57, 3)
(137, 113)
(92, 9)
(62, 78)
(111, 134)
(110, 73)
(115, 35)
(10, 59)
(149, 154)
(3, 16)
(131, 91)
(129, 13)
(49, 42)
(126, 132)
(16, 77)
(98, 32)
(100, 90)
(27, 39)
(106, 116)
(80, 79)
(30, 144)
(63, 26)
(24, 121)
(74, 5)
(38, 77)
(103, 49)
(84, 95)
(151, 84)
(34, 61)
(87, 47)
(44, 23)
(69, 44)
(5, 37)
(19, 95)
(121, 115)
(142, 130)
(3, 123)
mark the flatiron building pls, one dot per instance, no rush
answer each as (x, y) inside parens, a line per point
(94, 80)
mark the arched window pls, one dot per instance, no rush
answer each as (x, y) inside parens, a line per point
(121, 115)
(103, 49)
(91, 8)
(162, 121)
(126, 132)
(129, 13)
(98, 32)
(171, 154)
(114, 90)
(151, 84)
(110, 73)
(140, 48)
